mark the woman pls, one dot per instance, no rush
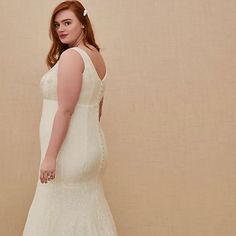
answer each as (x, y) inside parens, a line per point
(69, 199)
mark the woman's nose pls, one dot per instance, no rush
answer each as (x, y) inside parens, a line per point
(61, 28)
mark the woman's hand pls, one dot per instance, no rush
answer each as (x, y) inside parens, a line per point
(47, 169)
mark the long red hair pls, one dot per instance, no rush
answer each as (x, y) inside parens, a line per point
(57, 46)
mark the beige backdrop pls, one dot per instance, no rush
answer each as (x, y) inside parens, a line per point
(169, 113)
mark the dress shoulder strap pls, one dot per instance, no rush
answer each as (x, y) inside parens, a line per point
(83, 55)
(89, 66)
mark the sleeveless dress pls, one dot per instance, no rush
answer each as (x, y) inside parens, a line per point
(74, 203)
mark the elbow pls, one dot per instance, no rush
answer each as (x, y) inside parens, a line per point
(66, 111)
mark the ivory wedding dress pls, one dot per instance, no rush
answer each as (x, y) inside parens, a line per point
(74, 203)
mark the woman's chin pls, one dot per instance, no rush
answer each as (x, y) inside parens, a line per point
(64, 41)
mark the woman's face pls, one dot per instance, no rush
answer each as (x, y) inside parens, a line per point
(68, 27)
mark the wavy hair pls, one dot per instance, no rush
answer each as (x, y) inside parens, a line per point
(57, 46)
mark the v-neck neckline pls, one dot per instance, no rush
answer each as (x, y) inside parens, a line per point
(90, 60)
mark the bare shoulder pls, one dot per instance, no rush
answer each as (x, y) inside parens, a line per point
(70, 53)
(71, 58)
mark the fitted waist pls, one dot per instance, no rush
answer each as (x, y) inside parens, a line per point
(78, 104)
(82, 112)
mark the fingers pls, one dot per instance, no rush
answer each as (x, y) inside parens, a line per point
(51, 176)
(46, 176)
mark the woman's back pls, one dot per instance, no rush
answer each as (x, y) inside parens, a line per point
(96, 59)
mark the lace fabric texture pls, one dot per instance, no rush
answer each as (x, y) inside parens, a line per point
(74, 203)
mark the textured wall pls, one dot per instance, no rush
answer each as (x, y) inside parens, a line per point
(169, 113)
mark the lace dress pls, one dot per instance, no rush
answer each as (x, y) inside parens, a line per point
(74, 203)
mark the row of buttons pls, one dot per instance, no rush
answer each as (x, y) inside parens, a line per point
(101, 89)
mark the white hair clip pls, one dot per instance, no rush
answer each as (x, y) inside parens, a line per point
(85, 12)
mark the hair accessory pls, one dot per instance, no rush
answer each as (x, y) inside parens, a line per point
(85, 12)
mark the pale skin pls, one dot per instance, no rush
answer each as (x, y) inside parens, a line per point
(69, 82)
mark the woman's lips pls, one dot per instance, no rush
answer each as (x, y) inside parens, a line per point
(63, 36)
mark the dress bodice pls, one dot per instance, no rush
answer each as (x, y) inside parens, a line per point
(92, 89)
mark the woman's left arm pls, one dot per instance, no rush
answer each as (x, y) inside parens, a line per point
(69, 82)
